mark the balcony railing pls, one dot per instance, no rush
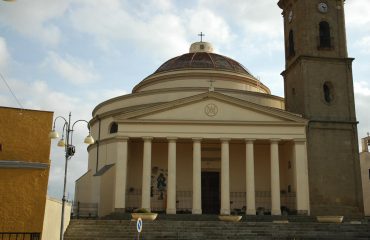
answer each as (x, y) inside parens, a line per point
(85, 210)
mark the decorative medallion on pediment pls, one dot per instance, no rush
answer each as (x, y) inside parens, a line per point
(211, 110)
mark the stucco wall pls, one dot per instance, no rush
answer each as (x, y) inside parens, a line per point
(24, 139)
(22, 199)
(52, 219)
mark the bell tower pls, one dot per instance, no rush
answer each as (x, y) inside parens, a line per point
(318, 85)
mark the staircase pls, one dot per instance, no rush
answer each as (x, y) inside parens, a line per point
(172, 229)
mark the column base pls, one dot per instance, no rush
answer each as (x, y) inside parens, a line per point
(276, 212)
(302, 212)
(196, 211)
(251, 211)
(225, 212)
(120, 210)
(170, 211)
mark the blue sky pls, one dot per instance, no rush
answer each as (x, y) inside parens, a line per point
(64, 55)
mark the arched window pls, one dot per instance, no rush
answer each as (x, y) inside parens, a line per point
(328, 92)
(291, 51)
(325, 39)
(113, 128)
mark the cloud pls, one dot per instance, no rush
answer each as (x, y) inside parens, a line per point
(359, 17)
(363, 44)
(117, 22)
(217, 31)
(72, 69)
(4, 55)
(34, 18)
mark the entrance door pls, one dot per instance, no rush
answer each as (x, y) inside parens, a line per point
(210, 192)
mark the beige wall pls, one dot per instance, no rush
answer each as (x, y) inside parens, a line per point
(52, 218)
(107, 186)
(365, 168)
(83, 188)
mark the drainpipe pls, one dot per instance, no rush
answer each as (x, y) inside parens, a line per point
(97, 144)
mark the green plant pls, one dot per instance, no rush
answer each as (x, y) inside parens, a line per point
(141, 210)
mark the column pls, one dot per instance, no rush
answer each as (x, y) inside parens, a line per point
(225, 178)
(171, 184)
(301, 176)
(121, 175)
(147, 170)
(197, 171)
(251, 195)
(275, 178)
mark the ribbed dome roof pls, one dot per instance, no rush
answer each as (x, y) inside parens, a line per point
(202, 60)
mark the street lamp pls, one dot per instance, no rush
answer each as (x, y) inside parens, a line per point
(66, 142)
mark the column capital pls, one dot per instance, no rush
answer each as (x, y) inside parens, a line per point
(122, 138)
(275, 140)
(146, 138)
(249, 140)
(171, 138)
(197, 139)
(225, 139)
(299, 140)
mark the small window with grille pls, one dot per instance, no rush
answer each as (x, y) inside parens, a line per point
(113, 128)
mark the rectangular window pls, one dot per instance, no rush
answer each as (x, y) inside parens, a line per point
(1, 147)
(369, 173)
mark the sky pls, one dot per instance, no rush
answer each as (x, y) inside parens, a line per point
(70, 55)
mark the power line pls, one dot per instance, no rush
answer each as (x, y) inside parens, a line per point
(11, 91)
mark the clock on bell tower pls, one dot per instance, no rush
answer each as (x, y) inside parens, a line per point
(318, 85)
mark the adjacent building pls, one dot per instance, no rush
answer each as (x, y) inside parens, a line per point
(365, 173)
(24, 169)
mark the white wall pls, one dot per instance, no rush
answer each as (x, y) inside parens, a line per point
(52, 217)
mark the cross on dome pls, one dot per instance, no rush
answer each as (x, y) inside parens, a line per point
(201, 34)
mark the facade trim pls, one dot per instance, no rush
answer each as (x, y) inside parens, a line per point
(22, 164)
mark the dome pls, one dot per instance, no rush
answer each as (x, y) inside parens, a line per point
(201, 56)
(201, 68)
(202, 60)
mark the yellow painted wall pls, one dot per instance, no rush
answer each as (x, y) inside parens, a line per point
(24, 137)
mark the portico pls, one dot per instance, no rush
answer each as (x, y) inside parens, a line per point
(207, 148)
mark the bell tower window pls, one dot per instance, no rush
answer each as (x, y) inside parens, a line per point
(291, 51)
(325, 39)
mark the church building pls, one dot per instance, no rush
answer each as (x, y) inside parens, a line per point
(202, 135)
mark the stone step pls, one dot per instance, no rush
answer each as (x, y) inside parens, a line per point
(169, 229)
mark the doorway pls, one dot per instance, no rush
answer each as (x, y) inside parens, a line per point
(210, 192)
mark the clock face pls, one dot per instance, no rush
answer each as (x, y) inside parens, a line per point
(323, 7)
(290, 16)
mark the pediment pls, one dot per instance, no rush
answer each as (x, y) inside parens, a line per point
(212, 107)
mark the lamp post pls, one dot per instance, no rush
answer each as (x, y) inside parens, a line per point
(66, 142)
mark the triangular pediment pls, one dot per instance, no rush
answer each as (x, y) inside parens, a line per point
(211, 107)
